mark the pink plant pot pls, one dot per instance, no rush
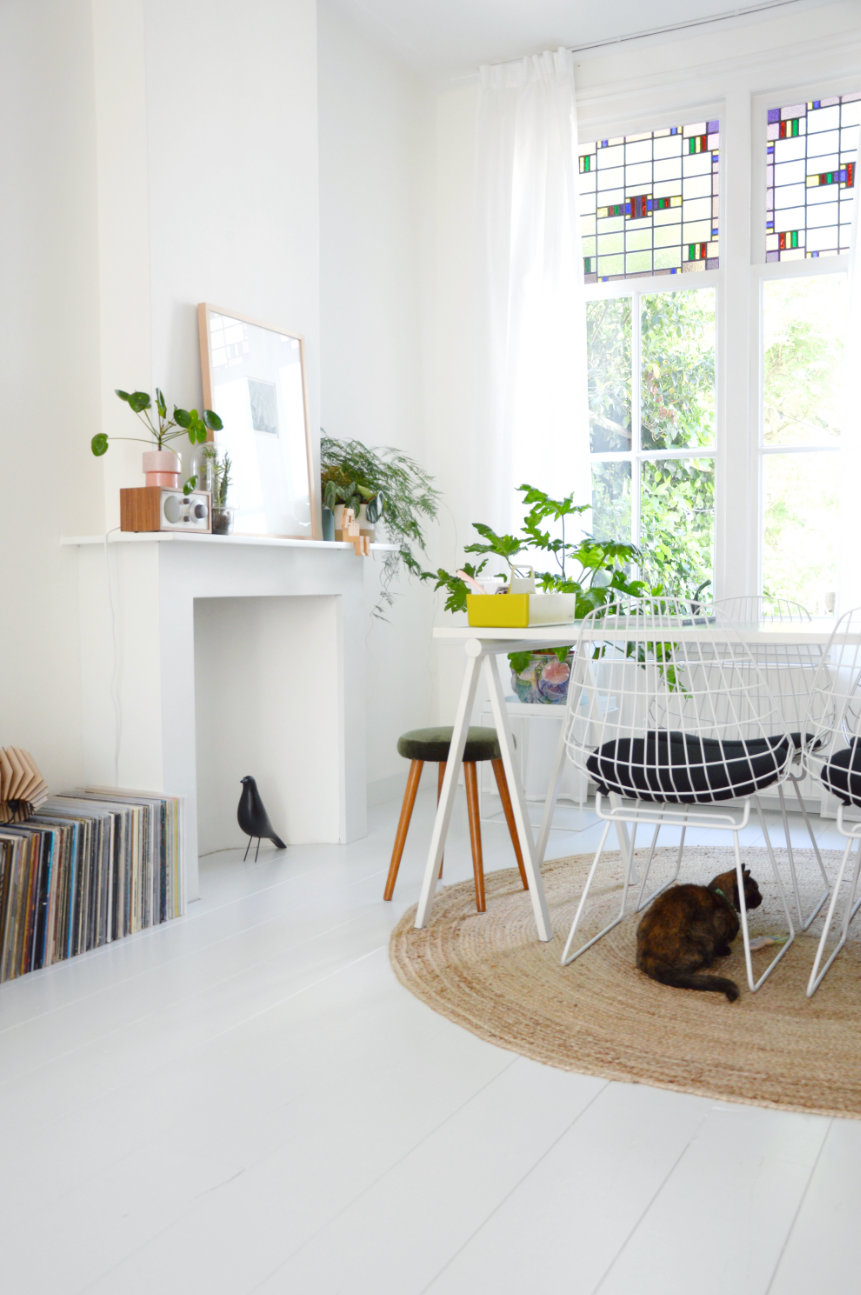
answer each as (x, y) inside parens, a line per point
(162, 468)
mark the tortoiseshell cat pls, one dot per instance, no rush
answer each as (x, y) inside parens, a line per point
(687, 927)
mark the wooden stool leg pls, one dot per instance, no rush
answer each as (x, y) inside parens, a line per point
(439, 781)
(413, 779)
(502, 787)
(471, 780)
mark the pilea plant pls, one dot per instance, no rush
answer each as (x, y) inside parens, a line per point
(183, 422)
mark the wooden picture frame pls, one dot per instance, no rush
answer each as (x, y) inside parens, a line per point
(254, 379)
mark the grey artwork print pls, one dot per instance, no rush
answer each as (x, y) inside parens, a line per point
(264, 406)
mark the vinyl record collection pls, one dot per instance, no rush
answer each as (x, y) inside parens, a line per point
(86, 868)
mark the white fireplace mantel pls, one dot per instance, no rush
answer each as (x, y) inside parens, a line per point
(209, 657)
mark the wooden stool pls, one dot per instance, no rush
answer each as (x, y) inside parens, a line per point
(432, 744)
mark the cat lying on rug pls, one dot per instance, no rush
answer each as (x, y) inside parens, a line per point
(687, 927)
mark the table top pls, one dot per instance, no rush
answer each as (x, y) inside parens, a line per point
(506, 639)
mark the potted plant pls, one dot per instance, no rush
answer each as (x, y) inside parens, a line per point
(161, 466)
(382, 485)
(596, 571)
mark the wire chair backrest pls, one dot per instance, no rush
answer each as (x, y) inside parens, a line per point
(789, 668)
(834, 716)
(756, 609)
(651, 671)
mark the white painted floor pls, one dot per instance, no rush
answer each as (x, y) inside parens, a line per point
(247, 1100)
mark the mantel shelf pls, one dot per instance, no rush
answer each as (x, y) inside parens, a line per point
(182, 537)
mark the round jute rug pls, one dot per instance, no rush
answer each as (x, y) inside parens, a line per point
(602, 1016)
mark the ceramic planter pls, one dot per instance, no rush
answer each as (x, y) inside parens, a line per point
(162, 468)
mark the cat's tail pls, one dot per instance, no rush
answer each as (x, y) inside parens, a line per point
(690, 980)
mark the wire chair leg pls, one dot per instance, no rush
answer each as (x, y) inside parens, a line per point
(755, 984)
(626, 842)
(790, 855)
(802, 921)
(648, 869)
(567, 956)
(659, 890)
(816, 975)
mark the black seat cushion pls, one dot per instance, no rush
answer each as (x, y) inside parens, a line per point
(433, 744)
(842, 773)
(682, 769)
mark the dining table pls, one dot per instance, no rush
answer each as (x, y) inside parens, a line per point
(480, 648)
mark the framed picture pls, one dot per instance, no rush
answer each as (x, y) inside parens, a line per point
(254, 379)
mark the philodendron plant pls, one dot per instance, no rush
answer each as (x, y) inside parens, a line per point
(596, 571)
(184, 422)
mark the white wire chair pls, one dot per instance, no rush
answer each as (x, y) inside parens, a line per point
(789, 670)
(674, 727)
(835, 760)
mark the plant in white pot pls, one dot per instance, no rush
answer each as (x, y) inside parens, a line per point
(597, 571)
(162, 466)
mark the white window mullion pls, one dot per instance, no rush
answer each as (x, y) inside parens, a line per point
(736, 493)
(636, 413)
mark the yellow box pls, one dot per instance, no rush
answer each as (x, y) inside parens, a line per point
(519, 611)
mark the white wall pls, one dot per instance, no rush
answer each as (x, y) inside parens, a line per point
(156, 153)
(48, 370)
(374, 120)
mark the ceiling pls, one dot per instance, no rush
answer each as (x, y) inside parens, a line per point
(445, 37)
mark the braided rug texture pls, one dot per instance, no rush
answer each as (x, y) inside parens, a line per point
(489, 973)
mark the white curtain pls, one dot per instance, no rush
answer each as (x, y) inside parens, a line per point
(850, 467)
(532, 407)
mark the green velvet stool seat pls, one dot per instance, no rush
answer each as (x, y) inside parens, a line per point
(431, 745)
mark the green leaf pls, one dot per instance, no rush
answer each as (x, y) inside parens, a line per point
(139, 401)
(181, 417)
(99, 443)
(212, 420)
(123, 395)
(160, 403)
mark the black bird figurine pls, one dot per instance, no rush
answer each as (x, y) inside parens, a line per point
(253, 819)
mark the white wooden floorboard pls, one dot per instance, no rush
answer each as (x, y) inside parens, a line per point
(399, 1234)
(568, 1219)
(756, 1165)
(247, 1097)
(822, 1248)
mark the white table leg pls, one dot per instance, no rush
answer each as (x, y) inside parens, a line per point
(453, 764)
(518, 803)
(550, 798)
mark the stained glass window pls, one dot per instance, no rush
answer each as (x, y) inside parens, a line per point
(811, 163)
(649, 203)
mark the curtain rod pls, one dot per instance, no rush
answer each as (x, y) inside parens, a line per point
(685, 26)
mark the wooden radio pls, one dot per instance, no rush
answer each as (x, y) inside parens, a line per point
(158, 508)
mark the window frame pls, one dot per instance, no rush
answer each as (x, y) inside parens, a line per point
(634, 288)
(742, 109)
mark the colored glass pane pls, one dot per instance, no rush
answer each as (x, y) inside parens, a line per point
(660, 192)
(810, 177)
